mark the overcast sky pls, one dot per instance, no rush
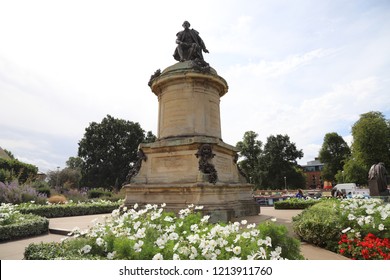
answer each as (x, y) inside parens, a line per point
(301, 68)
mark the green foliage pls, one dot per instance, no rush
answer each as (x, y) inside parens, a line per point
(268, 168)
(65, 179)
(320, 224)
(295, 203)
(354, 171)
(333, 154)
(98, 193)
(151, 233)
(18, 170)
(14, 225)
(280, 161)
(323, 224)
(280, 236)
(74, 163)
(371, 139)
(108, 149)
(69, 209)
(251, 152)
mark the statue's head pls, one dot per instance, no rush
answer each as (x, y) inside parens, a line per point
(186, 24)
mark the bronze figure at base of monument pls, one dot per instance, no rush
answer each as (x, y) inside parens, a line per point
(189, 163)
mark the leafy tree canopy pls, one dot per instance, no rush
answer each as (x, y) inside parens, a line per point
(371, 139)
(268, 167)
(108, 149)
(333, 154)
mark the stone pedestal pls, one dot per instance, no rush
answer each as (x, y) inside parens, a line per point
(189, 163)
(373, 186)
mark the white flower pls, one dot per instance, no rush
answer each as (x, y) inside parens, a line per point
(251, 226)
(163, 205)
(176, 257)
(160, 242)
(173, 236)
(273, 220)
(244, 222)
(268, 241)
(346, 230)
(136, 225)
(275, 255)
(110, 256)
(168, 219)
(368, 219)
(205, 219)
(158, 257)
(199, 207)
(262, 254)
(140, 233)
(86, 249)
(381, 227)
(194, 228)
(100, 241)
(237, 250)
(193, 238)
(351, 217)
(184, 251)
(135, 206)
(138, 246)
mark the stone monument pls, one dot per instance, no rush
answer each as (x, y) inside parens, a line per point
(189, 163)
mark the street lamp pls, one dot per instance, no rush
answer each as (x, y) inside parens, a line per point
(285, 183)
(58, 175)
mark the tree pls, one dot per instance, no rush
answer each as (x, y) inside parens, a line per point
(65, 179)
(371, 139)
(267, 168)
(280, 162)
(75, 163)
(251, 151)
(9, 153)
(108, 149)
(354, 171)
(333, 154)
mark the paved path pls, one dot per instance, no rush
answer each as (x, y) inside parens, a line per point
(14, 250)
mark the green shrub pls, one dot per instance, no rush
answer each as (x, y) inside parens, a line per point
(20, 170)
(98, 193)
(320, 224)
(14, 225)
(69, 209)
(295, 203)
(280, 236)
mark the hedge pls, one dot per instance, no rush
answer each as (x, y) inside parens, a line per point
(68, 210)
(31, 225)
(295, 203)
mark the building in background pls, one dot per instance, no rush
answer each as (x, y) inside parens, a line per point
(313, 174)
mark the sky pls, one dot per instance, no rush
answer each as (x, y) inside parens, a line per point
(301, 68)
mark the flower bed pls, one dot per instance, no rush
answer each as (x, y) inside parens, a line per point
(356, 228)
(15, 225)
(69, 208)
(152, 233)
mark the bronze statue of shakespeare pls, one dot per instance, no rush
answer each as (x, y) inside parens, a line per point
(189, 44)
